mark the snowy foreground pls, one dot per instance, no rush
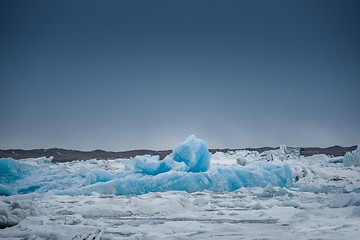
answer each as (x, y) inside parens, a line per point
(189, 195)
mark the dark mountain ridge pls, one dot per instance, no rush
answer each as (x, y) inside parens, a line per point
(65, 155)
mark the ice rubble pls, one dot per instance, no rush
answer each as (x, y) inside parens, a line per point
(13, 210)
(244, 157)
(185, 169)
(283, 153)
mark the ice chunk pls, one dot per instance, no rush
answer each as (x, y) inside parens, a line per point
(283, 153)
(241, 161)
(9, 170)
(192, 156)
(194, 153)
(150, 165)
(269, 191)
(353, 158)
(12, 170)
(13, 211)
(97, 175)
(21, 177)
(240, 157)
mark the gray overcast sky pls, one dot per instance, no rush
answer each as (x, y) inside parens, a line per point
(119, 75)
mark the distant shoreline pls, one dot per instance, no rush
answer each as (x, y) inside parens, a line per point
(65, 155)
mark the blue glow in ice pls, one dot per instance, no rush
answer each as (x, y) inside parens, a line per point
(12, 170)
(19, 177)
(194, 153)
(191, 156)
(185, 169)
(97, 175)
(217, 179)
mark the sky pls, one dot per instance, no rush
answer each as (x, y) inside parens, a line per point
(121, 75)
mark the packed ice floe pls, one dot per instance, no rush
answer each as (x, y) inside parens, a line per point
(185, 169)
(190, 194)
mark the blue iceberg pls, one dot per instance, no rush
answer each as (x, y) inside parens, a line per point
(218, 179)
(190, 156)
(194, 153)
(187, 168)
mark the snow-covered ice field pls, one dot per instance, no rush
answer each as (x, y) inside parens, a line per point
(190, 194)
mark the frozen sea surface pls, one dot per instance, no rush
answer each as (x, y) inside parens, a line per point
(188, 195)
